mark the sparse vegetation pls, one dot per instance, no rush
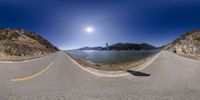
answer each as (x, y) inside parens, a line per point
(18, 42)
(186, 44)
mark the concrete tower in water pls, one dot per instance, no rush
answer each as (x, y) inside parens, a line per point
(107, 47)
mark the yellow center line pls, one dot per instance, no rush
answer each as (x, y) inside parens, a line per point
(32, 76)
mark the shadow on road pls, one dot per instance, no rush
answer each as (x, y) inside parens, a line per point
(138, 73)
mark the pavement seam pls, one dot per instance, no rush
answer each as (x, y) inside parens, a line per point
(34, 75)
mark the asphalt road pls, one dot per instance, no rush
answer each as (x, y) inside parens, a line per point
(56, 77)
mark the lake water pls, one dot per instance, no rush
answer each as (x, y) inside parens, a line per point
(111, 57)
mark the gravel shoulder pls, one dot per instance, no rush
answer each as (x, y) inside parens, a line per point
(21, 58)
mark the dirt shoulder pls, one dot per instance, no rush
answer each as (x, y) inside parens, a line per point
(21, 58)
(111, 67)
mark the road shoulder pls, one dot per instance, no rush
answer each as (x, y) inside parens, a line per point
(182, 57)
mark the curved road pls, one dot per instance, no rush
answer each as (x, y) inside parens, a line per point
(56, 77)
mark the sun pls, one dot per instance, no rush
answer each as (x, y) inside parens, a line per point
(89, 29)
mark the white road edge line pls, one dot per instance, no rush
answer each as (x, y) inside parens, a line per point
(144, 65)
(109, 75)
(27, 60)
(184, 57)
(95, 73)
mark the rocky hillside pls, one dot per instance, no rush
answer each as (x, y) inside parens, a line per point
(18, 42)
(186, 44)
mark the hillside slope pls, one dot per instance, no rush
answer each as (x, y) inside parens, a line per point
(18, 42)
(186, 44)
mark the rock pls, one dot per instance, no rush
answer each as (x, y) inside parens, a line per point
(19, 42)
(186, 44)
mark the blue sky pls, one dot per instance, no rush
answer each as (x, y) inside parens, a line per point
(63, 22)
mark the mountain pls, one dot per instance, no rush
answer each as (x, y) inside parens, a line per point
(91, 48)
(19, 42)
(186, 44)
(122, 46)
(131, 46)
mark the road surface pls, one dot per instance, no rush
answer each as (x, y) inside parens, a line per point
(56, 77)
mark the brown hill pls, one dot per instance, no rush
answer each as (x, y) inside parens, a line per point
(187, 44)
(18, 42)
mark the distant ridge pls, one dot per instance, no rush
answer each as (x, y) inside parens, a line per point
(91, 48)
(123, 46)
(19, 42)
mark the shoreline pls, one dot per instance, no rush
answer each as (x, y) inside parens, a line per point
(111, 67)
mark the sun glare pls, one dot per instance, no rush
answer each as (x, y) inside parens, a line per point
(89, 29)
